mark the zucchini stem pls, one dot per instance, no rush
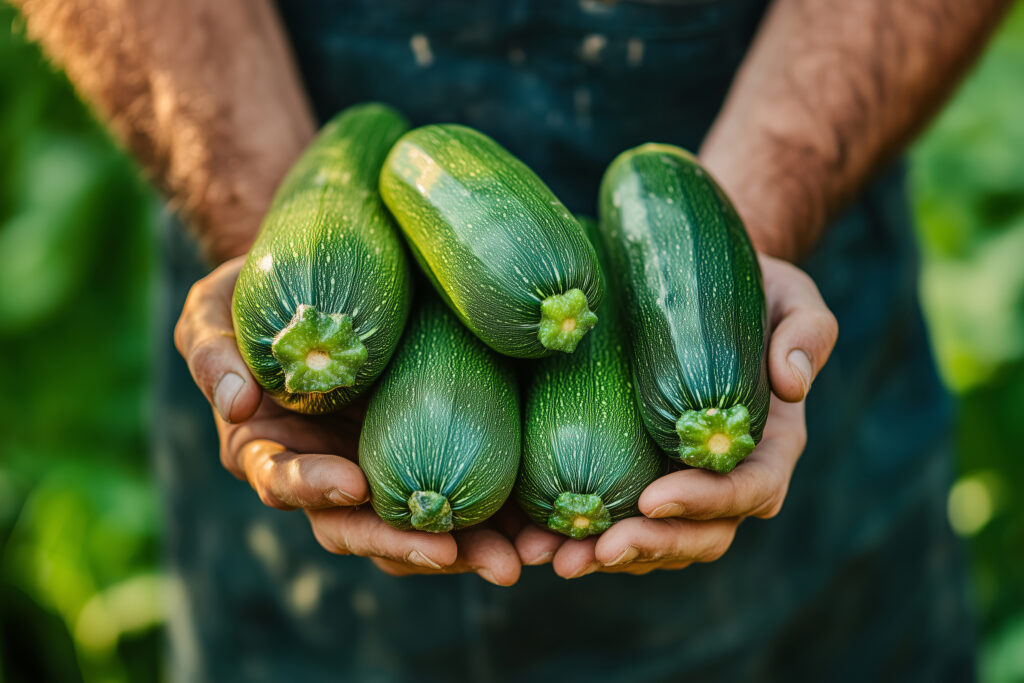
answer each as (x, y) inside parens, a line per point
(564, 320)
(318, 351)
(579, 515)
(430, 512)
(714, 439)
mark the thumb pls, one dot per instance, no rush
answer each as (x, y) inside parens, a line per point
(205, 337)
(804, 330)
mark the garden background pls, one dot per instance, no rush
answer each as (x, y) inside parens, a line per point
(80, 583)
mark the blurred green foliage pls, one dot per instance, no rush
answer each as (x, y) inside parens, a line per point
(79, 514)
(79, 517)
(968, 192)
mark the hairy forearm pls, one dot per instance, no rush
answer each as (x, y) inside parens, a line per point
(204, 94)
(830, 90)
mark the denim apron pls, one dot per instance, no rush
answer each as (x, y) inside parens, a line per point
(857, 579)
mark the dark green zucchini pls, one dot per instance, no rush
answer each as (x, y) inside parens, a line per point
(440, 444)
(695, 301)
(503, 252)
(586, 455)
(325, 290)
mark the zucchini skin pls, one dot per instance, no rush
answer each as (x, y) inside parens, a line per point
(586, 455)
(695, 300)
(327, 266)
(441, 437)
(493, 239)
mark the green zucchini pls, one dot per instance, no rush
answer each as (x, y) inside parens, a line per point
(586, 455)
(440, 443)
(324, 293)
(695, 301)
(502, 251)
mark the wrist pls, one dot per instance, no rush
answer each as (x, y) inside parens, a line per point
(226, 214)
(227, 205)
(779, 193)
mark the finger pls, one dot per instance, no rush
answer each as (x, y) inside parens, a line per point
(756, 488)
(205, 338)
(359, 531)
(336, 433)
(804, 330)
(286, 480)
(484, 552)
(575, 558)
(639, 539)
(537, 546)
(489, 554)
(400, 569)
(639, 568)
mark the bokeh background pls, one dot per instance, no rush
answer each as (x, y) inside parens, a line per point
(80, 583)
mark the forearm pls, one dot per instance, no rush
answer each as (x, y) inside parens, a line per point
(204, 94)
(830, 90)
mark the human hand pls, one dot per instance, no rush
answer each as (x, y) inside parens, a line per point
(692, 515)
(309, 462)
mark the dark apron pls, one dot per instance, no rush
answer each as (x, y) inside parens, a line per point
(857, 579)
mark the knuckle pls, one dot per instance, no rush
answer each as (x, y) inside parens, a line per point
(831, 323)
(202, 360)
(718, 548)
(196, 293)
(268, 498)
(228, 462)
(181, 334)
(818, 331)
(770, 509)
(200, 289)
(773, 506)
(327, 541)
(803, 278)
(827, 326)
(260, 460)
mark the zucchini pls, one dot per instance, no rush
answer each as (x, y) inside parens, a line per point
(586, 455)
(695, 301)
(440, 443)
(502, 251)
(324, 293)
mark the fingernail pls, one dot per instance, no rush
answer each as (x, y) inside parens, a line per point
(589, 569)
(801, 366)
(667, 510)
(418, 558)
(225, 392)
(339, 497)
(487, 576)
(542, 558)
(627, 555)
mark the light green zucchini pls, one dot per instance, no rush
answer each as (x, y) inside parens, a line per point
(500, 248)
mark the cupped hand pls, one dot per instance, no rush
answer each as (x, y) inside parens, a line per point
(692, 515)
(309, 462)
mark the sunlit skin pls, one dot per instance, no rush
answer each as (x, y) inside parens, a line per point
(296, 461)
(808, 119)
(300, 461)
